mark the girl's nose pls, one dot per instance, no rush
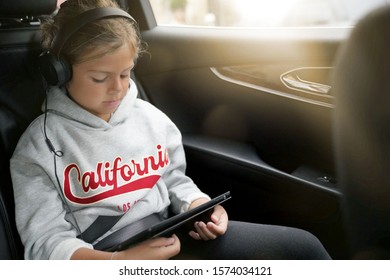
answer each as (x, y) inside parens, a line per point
(116, 85)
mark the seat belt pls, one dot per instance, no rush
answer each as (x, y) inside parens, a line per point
(100, 226)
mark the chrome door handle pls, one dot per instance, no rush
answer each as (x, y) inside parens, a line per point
(292, 80)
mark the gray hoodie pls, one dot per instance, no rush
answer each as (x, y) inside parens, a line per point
(133, 164)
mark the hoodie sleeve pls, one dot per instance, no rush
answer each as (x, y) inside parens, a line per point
(182, 190)
(40, 215)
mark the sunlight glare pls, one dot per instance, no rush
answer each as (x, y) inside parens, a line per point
(265, 12)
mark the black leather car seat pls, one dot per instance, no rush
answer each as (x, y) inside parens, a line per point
(362, 134)
(21, 96)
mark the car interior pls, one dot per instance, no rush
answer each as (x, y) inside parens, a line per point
(22, 93)
(255, 108)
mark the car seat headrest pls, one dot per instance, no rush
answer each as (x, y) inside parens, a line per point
(22, 8)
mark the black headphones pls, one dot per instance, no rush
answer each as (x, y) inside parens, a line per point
(56, 70)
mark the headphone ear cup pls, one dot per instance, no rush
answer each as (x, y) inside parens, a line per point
(56, 71)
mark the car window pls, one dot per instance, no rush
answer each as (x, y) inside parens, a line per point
(262, 13)
(59, 2)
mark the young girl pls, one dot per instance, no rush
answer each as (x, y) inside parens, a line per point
(99, 151)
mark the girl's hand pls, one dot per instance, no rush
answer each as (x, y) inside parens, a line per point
(159, 248)
(210, 230)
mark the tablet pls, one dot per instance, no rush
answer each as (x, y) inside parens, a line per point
(153, 226)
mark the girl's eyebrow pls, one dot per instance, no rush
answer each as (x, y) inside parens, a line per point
(99, 71)
(108, 72)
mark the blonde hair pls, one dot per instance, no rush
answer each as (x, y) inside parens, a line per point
(107, 34)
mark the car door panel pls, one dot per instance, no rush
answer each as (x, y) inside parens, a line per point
(244, 128)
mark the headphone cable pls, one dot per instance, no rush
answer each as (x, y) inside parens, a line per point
(58, 154)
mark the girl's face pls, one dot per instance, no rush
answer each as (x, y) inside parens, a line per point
(99, 85)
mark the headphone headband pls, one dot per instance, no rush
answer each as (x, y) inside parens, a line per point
(84, 18)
